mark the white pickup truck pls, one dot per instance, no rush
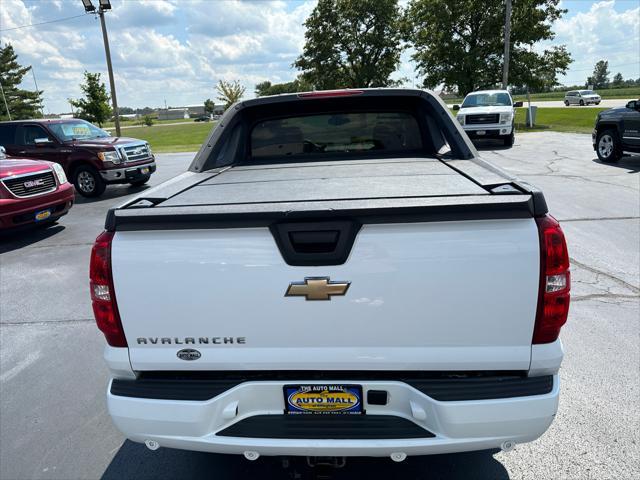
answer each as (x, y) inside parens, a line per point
(489, 114)
(337, 274)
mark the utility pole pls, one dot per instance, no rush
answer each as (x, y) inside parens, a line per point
(33, 72)
(507, 39)
(5, 102)
(102, 6)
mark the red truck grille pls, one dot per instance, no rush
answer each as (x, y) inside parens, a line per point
(30, 185)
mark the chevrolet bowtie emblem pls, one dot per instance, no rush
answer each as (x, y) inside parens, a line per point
(317, 288)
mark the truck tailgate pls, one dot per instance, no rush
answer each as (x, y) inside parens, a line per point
(440, 295)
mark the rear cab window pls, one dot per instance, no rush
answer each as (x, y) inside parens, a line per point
(336, 133)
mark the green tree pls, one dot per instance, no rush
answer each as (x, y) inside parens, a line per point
(351, 44)
(267, 88)
(94, 107)
(461, 44)
(229, 92)
(209, 106)
(618, 81)
(600, 77)
(23, 104)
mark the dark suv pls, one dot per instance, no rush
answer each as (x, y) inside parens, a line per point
(91, 157)
(617, 131)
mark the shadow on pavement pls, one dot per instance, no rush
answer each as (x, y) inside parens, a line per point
(630, 162)
(112, 192)
(489, 144)
(134, 460)
(23, 237)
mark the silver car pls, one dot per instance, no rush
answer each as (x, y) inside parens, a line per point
(581, 97)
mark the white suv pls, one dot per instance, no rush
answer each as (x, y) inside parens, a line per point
(488, 114)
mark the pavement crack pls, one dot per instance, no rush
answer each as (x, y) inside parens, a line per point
(603, 296)
(597, 219)
(554, 174)
(46, 322)
(613, 278)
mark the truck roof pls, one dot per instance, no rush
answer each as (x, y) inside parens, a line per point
(490, 92)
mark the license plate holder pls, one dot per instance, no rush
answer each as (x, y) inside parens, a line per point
(323, 399)
(42, 215)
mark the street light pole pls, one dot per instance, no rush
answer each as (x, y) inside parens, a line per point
(102, 6)
(112, 84)
(507, 40)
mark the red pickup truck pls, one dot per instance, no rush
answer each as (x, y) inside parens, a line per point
(32, 192)
(90, 156)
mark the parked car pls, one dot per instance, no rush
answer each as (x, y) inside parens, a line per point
(489, 114)
(32, 192)
(347, 278)
(617, 131)
(203, 118)
(90, 156)
(582, 97)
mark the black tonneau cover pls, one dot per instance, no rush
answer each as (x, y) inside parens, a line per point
(369, 191)
(327, 182)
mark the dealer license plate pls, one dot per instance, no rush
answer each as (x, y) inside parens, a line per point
(323, 399)
(42, 215)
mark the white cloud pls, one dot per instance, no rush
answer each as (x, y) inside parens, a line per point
(160, 48)
(601, 33)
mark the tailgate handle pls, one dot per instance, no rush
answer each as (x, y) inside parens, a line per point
(317, 241)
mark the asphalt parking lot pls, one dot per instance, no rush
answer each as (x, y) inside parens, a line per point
(53, 419)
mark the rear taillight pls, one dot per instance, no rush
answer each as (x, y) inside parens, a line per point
(103, 298)
(555, 281)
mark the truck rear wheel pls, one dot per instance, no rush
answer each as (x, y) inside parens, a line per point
(608, 146)
(88, 181)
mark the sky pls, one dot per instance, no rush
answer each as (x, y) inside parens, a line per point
(177, 50)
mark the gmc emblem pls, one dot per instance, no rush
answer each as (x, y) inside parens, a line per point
(33, 183)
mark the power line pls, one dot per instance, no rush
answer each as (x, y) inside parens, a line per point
(41, 23)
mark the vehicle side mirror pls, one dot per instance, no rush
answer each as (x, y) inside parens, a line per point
(517, 104)
(456, 107)
(42, 142)
(633, 105)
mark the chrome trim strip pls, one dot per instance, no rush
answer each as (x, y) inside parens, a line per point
(39, 172)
